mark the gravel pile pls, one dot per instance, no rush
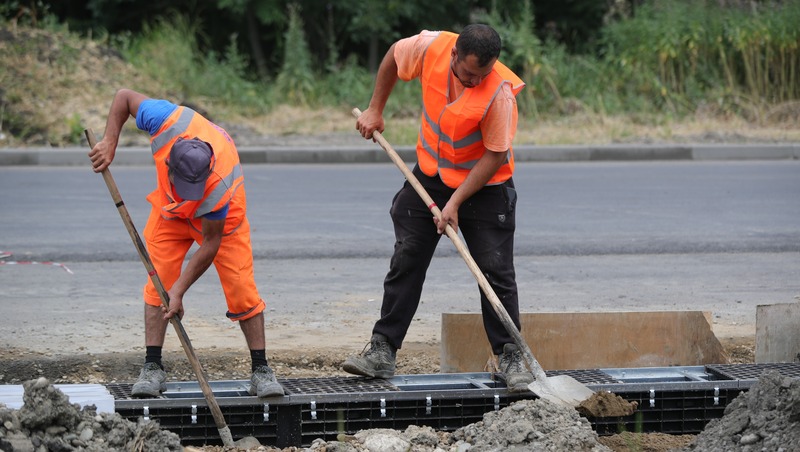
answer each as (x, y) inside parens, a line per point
(48, 422)
(530, 425)
(765, 418)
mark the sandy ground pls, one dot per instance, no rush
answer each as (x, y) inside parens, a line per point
(92, 344)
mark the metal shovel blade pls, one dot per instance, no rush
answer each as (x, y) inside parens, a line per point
(561, 390)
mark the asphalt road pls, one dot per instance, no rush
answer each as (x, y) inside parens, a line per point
(721, 236)
(341, 211)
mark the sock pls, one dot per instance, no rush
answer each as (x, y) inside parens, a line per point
(259, 358)
(154, 355)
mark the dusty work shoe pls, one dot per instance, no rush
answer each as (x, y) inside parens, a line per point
(264, 384)
(377, 360)
(513, 368)
(151, 383)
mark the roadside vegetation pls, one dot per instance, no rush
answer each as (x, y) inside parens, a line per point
(655, 70)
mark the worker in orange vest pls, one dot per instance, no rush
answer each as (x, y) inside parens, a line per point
(465, 162)
(199, 198)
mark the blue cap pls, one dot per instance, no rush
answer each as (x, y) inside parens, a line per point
(190, 162)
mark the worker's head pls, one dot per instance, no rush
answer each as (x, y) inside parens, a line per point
(189, 165)
(474, 54)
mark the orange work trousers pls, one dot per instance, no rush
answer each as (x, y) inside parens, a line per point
(168, 241)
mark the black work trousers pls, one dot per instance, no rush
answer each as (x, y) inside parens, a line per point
(485, 220)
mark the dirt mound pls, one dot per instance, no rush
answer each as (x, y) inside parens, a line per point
(47, 421)
(766, 417)
(531, 425)
(54, 84)
(606, 404)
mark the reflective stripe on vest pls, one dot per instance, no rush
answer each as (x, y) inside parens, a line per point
(225, 184)
(469, 140)
(450, 141)
(174, 131)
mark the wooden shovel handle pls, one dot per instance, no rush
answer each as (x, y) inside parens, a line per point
(498, 307)
(219, 419)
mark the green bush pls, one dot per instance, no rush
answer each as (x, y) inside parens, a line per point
(296, 81)
(670, 57)
(688, 49)
(169, 53)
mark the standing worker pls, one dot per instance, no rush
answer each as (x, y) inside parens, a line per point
(199, 197)
(465, 163)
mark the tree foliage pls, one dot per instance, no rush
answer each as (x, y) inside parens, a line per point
(364, 28)
(603, 56)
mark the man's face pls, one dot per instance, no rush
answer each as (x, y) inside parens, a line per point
(467, 71)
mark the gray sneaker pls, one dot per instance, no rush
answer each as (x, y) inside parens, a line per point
(264, 384)
(513, 367)
(376, 362)
(151, 383)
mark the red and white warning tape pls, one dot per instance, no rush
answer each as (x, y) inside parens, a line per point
(5, 254)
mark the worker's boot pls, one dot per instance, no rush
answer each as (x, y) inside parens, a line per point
(513, 368)
(377, 360)
(264, 384)
(151, 383)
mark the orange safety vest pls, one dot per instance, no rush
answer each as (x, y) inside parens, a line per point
(450, 141)
(225, 185)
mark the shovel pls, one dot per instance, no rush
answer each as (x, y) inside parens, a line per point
(219, 419)
(562, 389)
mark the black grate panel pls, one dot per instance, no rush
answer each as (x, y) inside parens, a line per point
(198, 427)
(753, 371)
(336, 385)
(120, 390)
(294, 386)
(298, 425)
(446, 414)
(327, 407)
(587, 377)
(671, 412)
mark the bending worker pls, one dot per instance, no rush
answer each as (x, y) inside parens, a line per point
(465, 163)
(200, 198)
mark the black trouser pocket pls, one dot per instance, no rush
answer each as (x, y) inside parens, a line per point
(511, 198)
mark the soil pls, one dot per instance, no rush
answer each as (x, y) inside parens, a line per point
(606, 404)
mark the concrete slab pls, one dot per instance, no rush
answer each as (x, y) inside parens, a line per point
(580, 340)
(778, 333)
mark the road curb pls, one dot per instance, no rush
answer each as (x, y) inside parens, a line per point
(135, 156)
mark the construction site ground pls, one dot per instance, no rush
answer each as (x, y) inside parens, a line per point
(20, 365)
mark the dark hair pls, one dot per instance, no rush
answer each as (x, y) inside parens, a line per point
(479, 40)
